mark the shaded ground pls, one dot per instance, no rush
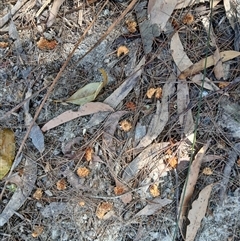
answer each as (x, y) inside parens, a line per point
(68, 207)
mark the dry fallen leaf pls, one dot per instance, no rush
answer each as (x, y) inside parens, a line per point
(87, 109)
(83, 172)
(122, 50)
(223, 85)
(61, 184)
(150, 92)
(197, 213)
(53, 12)
(103, 208)
(88, 154)
(89, 92)
(199, 66)
(207, 171)
(154, 190)
(131, 106)
(126, 125)
(154, 206)
(188, 19)
(7, 151)
(38, 194)
(22, 193)
(160, 11)
(119, 94)
(190, 183)
(81, 203)
(37, 231)
(119, 190)
(172, 162)
(3, 44)
(45, 44)
(131, 26)
(158, 93)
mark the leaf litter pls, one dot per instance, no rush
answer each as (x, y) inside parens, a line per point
(132, 178)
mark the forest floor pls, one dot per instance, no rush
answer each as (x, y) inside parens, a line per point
(149, 146)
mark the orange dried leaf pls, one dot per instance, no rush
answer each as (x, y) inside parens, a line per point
(38, 194)
(122, 50)
(45, 44)
(37, 231)
(222, 85)
(154, 190)
(3, 44)
(61, 184)
(88, 154)
(131, 106)
(188, 19)
(119, 190)
(158, 93)
(131, 26)
(125, 125)
(83, 172)
(207, 171)
(103, 208)
(172, 162)
(151, 92)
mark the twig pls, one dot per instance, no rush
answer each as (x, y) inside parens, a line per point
(15, 8)
(21, 104)
(130, 6)
(48, 94)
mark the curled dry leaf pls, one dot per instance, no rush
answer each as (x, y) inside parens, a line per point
(38, 194)
(83, 172)
(199, 66)
(150, 92)
(223, 85)
(81, 203)
(3, 44)
(158, 93)
(131, 26)
(45, 44)
(154, 190)
(188, 19)
(172, 162)
(61, 184)
(122, 50)
(126, 125)
(119, 190)
(89, 92)
(88, 154)
(207, 171)
(7, 151)
(131, 106)
(37, 231)
(103, 208)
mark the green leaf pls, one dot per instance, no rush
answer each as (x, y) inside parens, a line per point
(89, 92)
